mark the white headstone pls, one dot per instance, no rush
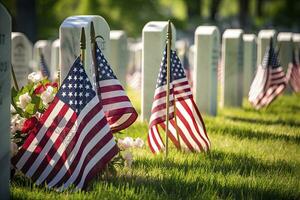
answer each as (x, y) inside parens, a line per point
(21, 57)
(138, 56)
(119, 54)
(5, 76)
(191, 56)
(232, 68)
(263, 40)
(250, 56)
(55, 58)
(131, 56)
(182, 50)
(205, 82)
(285, 45)
(154, 42)
(69, 34)
(45, 47)
(296, 40)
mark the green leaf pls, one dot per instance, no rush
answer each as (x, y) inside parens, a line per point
(30, 109)
(14, 98)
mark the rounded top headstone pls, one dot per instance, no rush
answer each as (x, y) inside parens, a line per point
(156, 26)
(249, 37)
(42, 44)
(206, 30)
(78, 20)
(296, 37)
(232, 33)
(56, 43)
(284, 36)
(267, 33)
(117, 34)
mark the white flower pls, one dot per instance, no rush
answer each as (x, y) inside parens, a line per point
(16, 123)
(128, 158)
(126, 143)
(35, 77)
(47, 96)
(20, 123)
(24, 99)
(13, 149)
(139, 143)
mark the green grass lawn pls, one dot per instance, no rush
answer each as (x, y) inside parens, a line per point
(254, 155)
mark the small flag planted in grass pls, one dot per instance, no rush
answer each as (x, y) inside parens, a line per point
(117, 107)
(293, 74)
(269, 81)
(186, 128)
(73, 140)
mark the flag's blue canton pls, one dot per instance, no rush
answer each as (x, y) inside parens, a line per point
(177, 71)
(104, 72)
(270, 58)
(44, 67)
(76, 90)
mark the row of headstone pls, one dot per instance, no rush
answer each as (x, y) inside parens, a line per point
(26, 57)
(240, 55)
(237, 65)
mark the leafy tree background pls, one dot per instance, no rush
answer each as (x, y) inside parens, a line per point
(40, 19)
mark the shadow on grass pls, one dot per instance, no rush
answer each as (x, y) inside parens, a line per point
(174, 187)
(225, 163)
(286, 122)
(204, 185)
(251, 134)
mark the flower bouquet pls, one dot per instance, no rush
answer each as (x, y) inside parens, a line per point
(31, 101)
(27, 105)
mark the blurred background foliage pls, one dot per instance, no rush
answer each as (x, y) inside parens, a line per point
(40, 19)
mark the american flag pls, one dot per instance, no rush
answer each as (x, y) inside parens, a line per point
(269, 81)
(72, 141)
(44, 66)
(293, 73)
(117, 107)
(188, 121)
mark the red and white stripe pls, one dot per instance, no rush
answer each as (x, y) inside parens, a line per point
(186, 121)
(117, 107)
(293, 76)
(267, 85)
(66, 149)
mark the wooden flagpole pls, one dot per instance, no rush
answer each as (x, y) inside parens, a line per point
(82, 46)
(169, 39)
(169, 46)
(175, 116)
(14, 78)
(93, 47)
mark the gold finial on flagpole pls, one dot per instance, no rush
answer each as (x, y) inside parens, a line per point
(82, 45)
(58, 78)
(169, 39)
(14, 78)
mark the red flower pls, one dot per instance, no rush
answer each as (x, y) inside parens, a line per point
(54, 84)
(40, 89)
(29, 124)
